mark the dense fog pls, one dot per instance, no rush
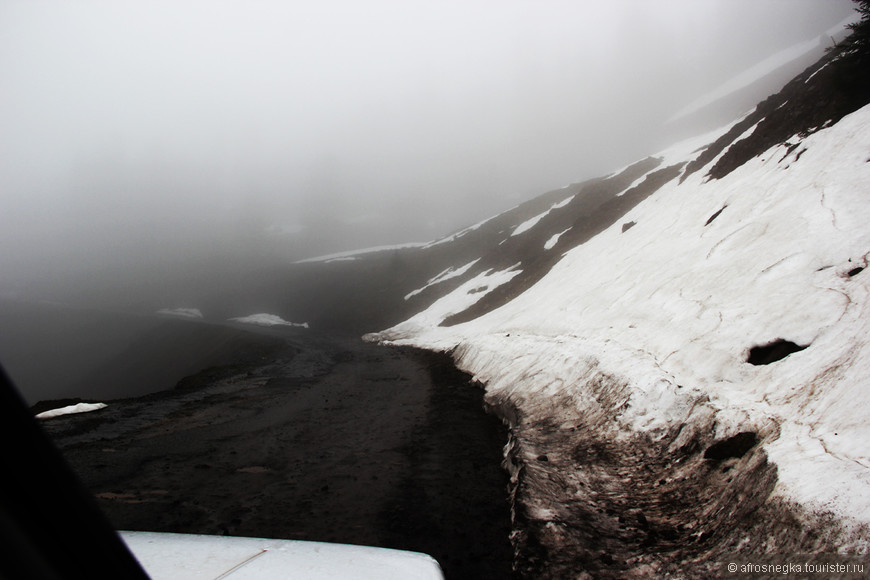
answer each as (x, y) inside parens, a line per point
(162, 134)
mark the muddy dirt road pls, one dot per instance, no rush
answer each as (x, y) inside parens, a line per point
(332, 439)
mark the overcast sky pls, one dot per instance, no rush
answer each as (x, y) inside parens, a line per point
(144, 127)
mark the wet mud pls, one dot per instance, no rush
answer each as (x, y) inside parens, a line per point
(592, 502)
(331, 440)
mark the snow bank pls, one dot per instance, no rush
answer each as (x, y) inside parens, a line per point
(71, 410)
(263, 319)
(670, 309)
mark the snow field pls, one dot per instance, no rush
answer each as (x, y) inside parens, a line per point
(669, 309)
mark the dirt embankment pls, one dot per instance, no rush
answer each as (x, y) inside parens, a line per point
(592, 500)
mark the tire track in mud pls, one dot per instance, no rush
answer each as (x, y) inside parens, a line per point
(589, 502)
(455, 459)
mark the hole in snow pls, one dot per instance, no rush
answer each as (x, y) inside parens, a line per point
(772, 352)
(854, 271)
(627, 226)
(735, 446)
(715, 215)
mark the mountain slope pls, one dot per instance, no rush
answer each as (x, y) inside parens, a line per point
(680, 348)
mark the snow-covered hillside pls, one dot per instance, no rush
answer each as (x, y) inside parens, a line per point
(681, 353)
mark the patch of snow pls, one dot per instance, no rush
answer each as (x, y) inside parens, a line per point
(680, 304)
(562, 203)
(745, 134)
(548, 245)
(458, 234)
(181, 312)
(455, 302)
(360, 252)
(267, 320)
(71, 410)
(685, 149)
(528, 224)
(682, 151)
(532, 222)
(447, 274)
(811, 76)
(633, 184)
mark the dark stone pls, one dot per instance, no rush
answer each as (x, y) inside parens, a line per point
(642, 521)
(735, 446)
(772, 352)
